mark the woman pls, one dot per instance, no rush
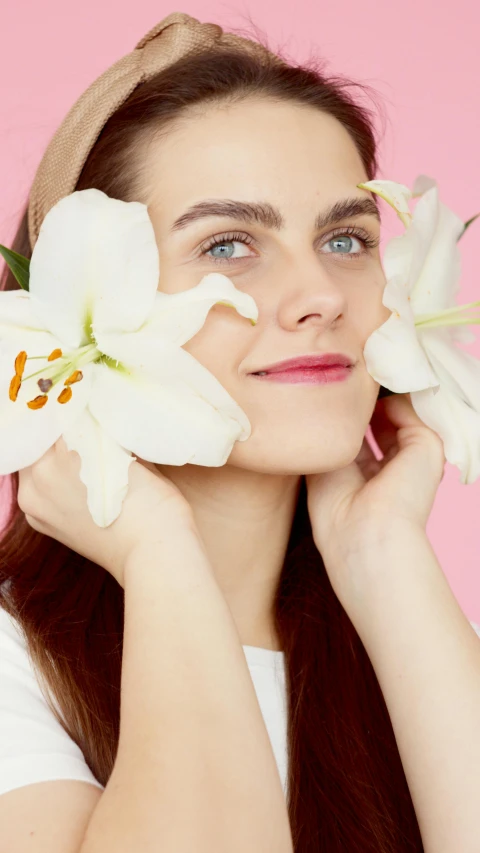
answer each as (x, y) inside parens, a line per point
(205, 561)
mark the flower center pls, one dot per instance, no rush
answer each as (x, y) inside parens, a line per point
(66, 369)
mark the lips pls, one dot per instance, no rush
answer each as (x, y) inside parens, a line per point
(309, 362)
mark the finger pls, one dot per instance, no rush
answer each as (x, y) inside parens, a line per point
(366, 455)
(61, 450)
(367, 461)
(150, 465)
(383, 430)
(400, 412)
(67, 457)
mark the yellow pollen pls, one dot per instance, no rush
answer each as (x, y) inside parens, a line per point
(14, 387)
(56, 353)
(20, 363)
(38, 402)
(65, 395)
(76, 376)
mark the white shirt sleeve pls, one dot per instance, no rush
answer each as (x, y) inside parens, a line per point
(33, 745)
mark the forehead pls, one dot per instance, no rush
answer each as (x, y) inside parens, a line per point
(282, 151)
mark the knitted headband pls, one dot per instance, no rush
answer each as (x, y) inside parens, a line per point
(66, 153)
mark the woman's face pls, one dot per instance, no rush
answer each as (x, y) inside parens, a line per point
(314, 294)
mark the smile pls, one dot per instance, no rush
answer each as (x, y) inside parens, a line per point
(307, 375)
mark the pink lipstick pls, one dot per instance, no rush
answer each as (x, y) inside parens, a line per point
(316, 369)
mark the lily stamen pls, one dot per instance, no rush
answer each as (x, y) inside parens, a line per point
(446, 312)
(14, 387)
(56, 353)
(428, 324)
(37, 402)
(76, 376)
(67, 373)
(20, 363)
(65, 395)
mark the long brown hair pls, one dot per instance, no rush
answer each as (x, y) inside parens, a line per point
(347, 790)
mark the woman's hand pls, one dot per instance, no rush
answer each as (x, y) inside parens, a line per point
(54, 501)
(352, 508)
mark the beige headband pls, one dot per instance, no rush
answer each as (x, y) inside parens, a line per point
(67, 151)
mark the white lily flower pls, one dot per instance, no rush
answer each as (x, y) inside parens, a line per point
(414, 351)
(96, 351)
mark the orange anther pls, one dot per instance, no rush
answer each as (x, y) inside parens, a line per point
(20, 363)
(38, 402)
(65, 395)
(14, 387)
(76, 376)
(56, 353)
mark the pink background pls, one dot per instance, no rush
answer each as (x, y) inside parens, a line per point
(422, 57)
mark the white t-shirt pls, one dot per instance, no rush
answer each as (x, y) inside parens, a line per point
(35, 748)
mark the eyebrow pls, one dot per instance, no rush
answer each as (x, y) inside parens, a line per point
(263, 213)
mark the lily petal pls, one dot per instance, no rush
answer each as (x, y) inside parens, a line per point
(436, 267)
(457, 425)
(104, 467)
(16, 314)
(405, 254)
(163, 363)
(168, 422)
(397, 195)
(26, 434)
(457, 370)
(463, 334)
(177, 317)
(93, 252)
(457, 414)
(393, 353)
(421, 184)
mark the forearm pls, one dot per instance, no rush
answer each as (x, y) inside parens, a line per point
(195, 770)
(427, 660)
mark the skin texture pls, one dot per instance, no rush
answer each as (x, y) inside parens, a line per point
(310, 298)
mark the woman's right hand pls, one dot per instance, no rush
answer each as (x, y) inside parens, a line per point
(54, 501)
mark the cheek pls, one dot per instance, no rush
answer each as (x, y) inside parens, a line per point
(219, 345)
(369, 312)
(375, 318)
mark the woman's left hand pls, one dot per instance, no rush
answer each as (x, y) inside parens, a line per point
(351, 507)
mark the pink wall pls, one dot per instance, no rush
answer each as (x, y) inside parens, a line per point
(421, 56)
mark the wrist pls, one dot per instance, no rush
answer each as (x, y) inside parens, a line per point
(379, 565)
(372, 541)
(178, 554)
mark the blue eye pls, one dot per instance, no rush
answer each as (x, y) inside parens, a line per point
(341, 237)
(343, 244)
(224, 240)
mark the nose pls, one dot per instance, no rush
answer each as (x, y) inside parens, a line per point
(309, 296)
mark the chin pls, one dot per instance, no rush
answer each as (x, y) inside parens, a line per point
(301, 458)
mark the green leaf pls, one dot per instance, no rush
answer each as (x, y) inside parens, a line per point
(19, 265)
(469, 223)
